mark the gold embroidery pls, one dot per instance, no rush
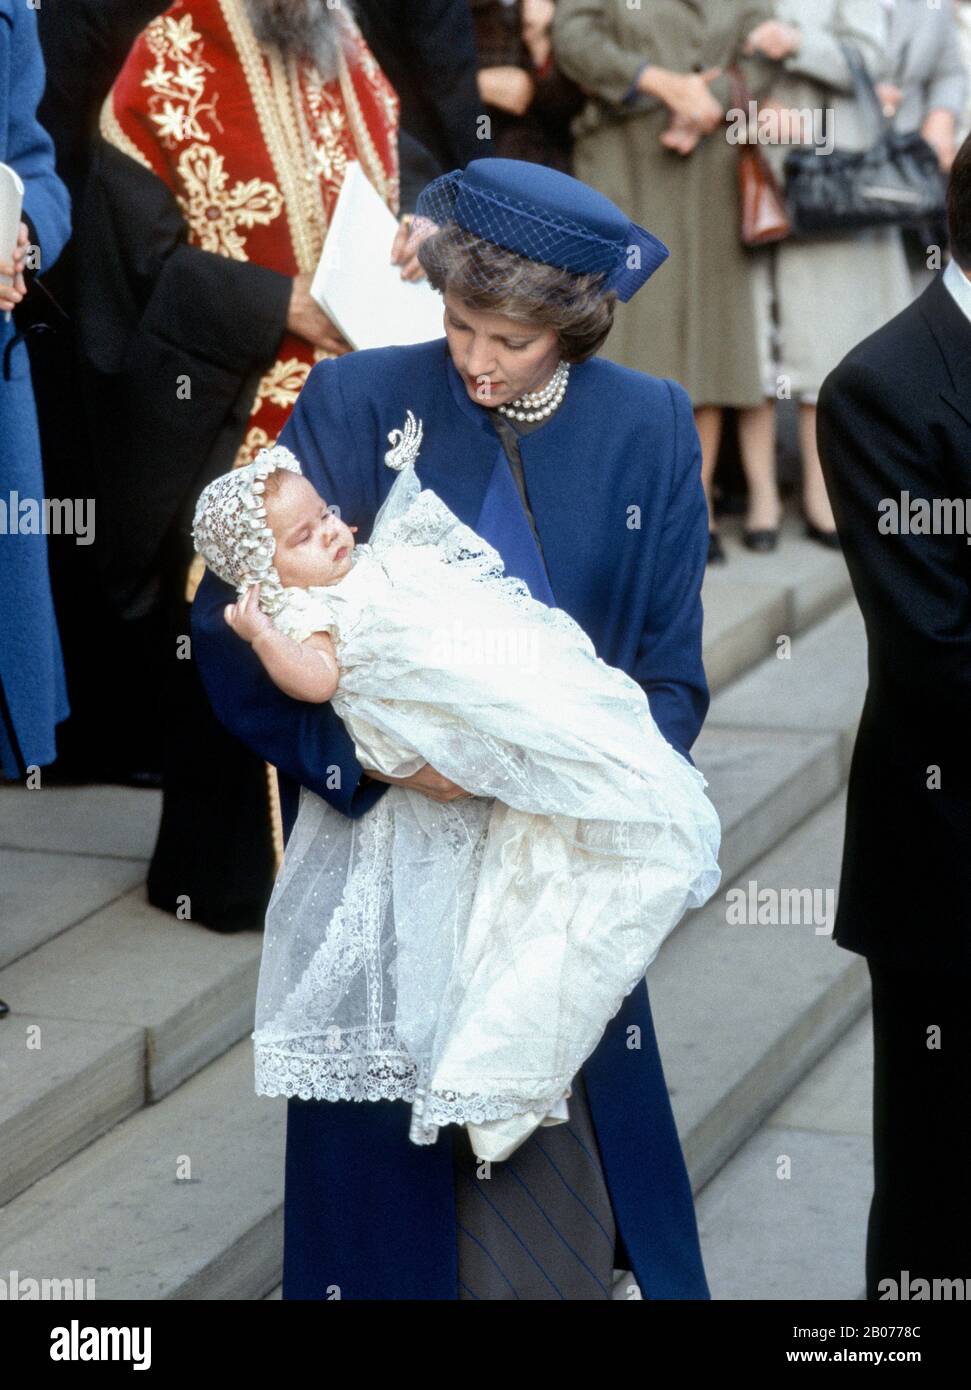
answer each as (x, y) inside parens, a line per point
(276, 817)
(328, 124)
(178, 81)
(254, 70)
(213, 211)
(194, 578)
(256, 439)
(282, 384)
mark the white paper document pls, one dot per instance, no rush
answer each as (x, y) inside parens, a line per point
(355, 283)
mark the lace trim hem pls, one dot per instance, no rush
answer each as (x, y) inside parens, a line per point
(385, 1076)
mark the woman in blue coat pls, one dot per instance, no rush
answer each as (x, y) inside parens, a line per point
(586, 476)
(33, 697)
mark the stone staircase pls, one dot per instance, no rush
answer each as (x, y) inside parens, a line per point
(134, 1150)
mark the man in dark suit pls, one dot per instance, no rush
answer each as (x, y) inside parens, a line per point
(895, 442)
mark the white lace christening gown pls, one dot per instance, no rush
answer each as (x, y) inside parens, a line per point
(468, 956)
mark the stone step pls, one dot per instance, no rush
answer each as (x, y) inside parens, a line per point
(818, 687)
(45, 894)
(184, 1200)
(815, 580)
(66, 852)
(120, 822)
(763, 782)
(741, 624)
(743, 1010)
(129, 1003)
(786, 1217)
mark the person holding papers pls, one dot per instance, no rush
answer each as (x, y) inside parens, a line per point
(225, 141)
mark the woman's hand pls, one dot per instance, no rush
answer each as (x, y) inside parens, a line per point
(939, 130)
(12, 294)
(686, 95)
(412, 268)
(510, 88)
(246, 617)
(307, 320)
(681, 136)
(774, 40)
(890, 98)
(426, 780)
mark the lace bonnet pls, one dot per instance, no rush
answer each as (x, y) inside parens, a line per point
(230, 531)
(229, 527)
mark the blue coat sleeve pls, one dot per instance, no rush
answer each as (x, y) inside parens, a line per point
(307, 741)
(669, 664)
(30, 150)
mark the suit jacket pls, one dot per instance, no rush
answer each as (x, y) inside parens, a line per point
(615, 485)
(895, 417)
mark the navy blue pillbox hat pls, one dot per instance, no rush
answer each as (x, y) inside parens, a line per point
(548, 216)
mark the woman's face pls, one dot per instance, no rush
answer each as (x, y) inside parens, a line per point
(497, 357)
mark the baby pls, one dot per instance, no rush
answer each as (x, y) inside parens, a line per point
(466, 956)
(313, 547)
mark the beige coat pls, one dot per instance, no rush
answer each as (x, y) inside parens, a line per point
(695, 320)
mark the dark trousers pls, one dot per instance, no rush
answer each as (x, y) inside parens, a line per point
(920, 1217)
(215, 841)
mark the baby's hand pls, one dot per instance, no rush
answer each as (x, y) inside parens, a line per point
(246, 617)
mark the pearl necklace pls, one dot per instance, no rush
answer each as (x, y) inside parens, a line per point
(537, 405)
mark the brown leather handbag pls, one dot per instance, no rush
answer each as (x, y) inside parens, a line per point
(764, 218)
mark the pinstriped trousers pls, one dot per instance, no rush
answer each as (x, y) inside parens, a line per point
(540, 1224)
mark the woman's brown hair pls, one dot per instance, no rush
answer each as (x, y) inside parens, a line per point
(488, 277)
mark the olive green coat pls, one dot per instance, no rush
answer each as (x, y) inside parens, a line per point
(695, 320)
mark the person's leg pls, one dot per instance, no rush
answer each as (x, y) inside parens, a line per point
(920, 1215)
(756, 438)
(815, 499)
(708, 420)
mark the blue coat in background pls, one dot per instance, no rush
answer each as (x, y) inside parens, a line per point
(33, 696)
(614, 482)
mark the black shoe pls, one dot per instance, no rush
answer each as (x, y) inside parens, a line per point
(4, 1008)
(763, 541)
(830, 539)
(716, 555)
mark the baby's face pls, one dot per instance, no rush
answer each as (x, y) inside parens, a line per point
(313, 546)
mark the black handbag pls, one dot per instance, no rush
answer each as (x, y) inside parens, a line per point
(897, 182)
